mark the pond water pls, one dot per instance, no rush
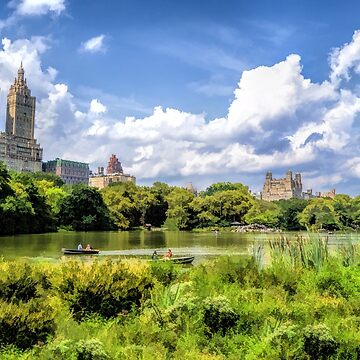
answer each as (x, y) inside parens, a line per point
(143, 243)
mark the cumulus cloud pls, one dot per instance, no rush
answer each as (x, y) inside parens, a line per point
(38, 7)
(24, 8)
(277, 120)
(344, 59)
(97, 107)
(94, 45)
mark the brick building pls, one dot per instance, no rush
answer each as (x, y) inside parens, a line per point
(114, 174)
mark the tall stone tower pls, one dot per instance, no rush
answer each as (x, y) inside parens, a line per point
(18, 147)
(20, 112)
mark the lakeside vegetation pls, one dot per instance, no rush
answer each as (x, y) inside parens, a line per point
(40, 202)
(305, 305)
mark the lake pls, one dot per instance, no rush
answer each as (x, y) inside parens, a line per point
(141, 243)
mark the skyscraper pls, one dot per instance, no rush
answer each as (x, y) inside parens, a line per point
(19, 149)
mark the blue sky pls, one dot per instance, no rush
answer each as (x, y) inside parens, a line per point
(154, 82)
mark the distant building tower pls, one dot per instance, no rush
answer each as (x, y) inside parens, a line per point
(114, 166)
(18, 147)
(71, 172)
(114, 174)
(285, 188)
(191, 188)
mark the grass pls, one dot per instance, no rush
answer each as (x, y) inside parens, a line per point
(304, 304)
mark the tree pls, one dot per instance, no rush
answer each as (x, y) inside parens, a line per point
(5, 188)
(155, 213)
(204, 209)
(223, 186)
(264, 213)
(320, 214)
(125, 206)
(84, 209)
(345, 208)
(179, 210)
(232, 205)
(290, 209)
(53, 194)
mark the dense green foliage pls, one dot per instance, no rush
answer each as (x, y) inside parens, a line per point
(304, 305)
(34, 203)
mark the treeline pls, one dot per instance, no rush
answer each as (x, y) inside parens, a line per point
(40, 202)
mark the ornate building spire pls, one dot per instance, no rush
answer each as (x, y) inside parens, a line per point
(21, 73)
(20, 116)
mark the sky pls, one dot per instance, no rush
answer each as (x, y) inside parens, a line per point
(193, 91)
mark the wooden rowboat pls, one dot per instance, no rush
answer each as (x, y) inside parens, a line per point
(183, 260)
(79, 252)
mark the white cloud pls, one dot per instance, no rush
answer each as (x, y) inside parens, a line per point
(345, 58)
(38, 7)
(97, 107)
(25, 8)
(277, 120)
(94, 45)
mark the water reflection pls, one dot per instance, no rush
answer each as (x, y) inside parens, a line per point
(139, 243)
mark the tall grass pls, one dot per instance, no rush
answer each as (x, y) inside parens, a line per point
(306, 252)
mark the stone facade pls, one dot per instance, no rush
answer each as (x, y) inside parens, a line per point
(71, 172)
(114, 174)
(105, 180)
(19, 149)
(285, 188)
(328, 194)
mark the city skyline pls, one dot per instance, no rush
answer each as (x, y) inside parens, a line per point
(189, 93)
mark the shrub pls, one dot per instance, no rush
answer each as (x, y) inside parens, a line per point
(318, 342)
(20, 282)
(218, 315)
(106, 289)
(91, 349)
(25, 324)
(238, 269)
(164, 271)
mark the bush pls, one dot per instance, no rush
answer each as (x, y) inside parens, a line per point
(25, 324)
(218, 315)
(20, 282)
(238, 269)
(164, 271)
(91, 350)
(318, 342)
(106, 289)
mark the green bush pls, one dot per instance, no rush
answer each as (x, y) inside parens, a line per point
(20, 282)
(106, 289)
(164, 271)
(318, 342)
(25, 324)
(91, 349)
(238, 269)
(219, 316)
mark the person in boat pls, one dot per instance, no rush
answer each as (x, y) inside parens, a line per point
(80, 247)
(88, 247)
(168, 255)
(154, 255)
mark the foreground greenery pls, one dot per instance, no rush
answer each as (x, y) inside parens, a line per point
(40, 202)
(305, 305)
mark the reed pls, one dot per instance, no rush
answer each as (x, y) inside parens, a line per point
(301, 252)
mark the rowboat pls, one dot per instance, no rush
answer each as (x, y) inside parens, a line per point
(183, 260)
(79, 252)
